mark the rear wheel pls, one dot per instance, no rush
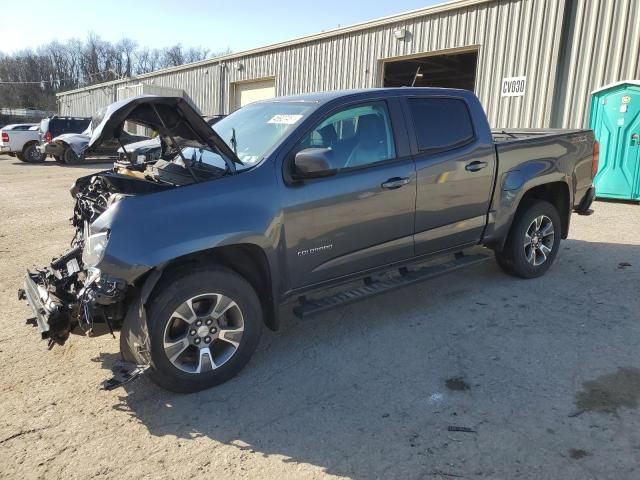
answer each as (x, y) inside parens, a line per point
(533, 241)
(20, 157)
(70, 157)
(204, 326)
(58, 158)
(31, 154)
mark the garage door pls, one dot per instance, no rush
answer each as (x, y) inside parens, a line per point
(453, 70)
(248, 92)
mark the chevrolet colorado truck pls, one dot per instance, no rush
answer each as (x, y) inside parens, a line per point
(310, 201)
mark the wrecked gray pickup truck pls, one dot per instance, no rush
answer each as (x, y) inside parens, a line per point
(191, 254)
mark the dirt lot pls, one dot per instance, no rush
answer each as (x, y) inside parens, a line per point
(546, 371)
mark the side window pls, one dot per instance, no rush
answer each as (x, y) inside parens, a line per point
(441, 123)
(59, 126)
(357, 136)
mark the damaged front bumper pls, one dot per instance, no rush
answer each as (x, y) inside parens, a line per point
(40, 302)
(64, 296)
(50, 148)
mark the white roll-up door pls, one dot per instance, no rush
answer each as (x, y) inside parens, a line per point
(249, 92)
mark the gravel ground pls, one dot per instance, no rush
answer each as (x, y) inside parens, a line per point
(546, 372)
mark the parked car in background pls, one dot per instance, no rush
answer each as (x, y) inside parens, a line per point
(55, 126)
(69, 148)
(287, 199)
(21, 140)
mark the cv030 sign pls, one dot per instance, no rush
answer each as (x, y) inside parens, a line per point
(514, 86)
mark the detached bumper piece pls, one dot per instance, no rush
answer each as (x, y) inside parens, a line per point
(123, 374)
(52, 315)
(585, 205)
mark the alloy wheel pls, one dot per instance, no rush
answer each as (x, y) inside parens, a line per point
(203, 333)
(33, 155)
(538, 240)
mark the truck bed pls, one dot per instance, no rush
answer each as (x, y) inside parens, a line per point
(501, 135)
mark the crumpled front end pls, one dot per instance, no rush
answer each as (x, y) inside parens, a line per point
(64, 297)
(68, 294)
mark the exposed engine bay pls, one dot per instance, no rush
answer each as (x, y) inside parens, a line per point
(78, 292)
(74, 296)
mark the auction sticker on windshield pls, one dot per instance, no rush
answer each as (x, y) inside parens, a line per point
(285, 119)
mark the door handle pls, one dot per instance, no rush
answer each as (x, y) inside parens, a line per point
(475, 166)
(395, 182)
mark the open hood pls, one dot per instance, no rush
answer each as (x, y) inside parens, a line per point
(169, 116)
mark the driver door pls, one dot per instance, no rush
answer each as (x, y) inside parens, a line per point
(363, 216)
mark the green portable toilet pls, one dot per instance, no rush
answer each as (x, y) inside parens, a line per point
(615, 119)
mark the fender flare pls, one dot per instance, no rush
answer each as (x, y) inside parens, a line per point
(134, 334)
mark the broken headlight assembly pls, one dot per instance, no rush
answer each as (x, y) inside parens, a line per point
(94, 248)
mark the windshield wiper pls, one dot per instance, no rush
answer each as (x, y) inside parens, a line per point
(234, 141)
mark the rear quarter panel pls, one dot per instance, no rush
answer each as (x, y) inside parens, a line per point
(18, 138)
(524, 164)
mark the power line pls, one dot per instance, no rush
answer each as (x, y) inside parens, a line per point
(59, 80)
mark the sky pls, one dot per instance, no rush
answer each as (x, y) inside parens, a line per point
(217, 25)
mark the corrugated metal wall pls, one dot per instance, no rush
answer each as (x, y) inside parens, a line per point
(513, 38)
(603, 47)
(85, 103)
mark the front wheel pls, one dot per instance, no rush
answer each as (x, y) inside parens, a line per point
(533, 241)
(204, 326)
(70, 157)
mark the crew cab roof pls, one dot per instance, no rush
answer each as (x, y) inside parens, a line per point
(325, 97)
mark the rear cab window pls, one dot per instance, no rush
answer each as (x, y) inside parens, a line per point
(441, 123)
(58, 126)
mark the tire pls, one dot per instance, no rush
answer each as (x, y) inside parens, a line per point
(31, 154)
(58, 159)
(533, 242)
(192, 356)
(20, 157)
(70, 157)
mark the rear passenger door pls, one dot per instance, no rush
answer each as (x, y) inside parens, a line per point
(455, 171)
(363, 216)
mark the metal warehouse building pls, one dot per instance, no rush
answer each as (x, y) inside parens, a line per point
(532, 63)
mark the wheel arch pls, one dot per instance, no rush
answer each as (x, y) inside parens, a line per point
(556, 192)
(28, 144)
(246, 259)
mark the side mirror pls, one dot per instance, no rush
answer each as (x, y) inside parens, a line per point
(314, 163)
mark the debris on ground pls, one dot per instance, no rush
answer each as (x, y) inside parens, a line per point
(457, 384)
(454, 428)
(578, 453)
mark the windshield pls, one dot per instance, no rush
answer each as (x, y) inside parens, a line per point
(200, 155)
(255, 129)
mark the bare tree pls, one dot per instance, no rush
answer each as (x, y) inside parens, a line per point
(31, 78)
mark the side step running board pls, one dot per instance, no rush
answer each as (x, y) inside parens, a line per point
(310, 306)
